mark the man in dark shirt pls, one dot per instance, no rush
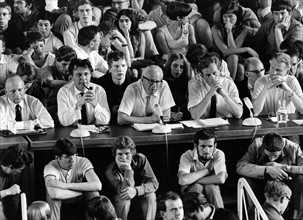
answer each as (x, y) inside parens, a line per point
(132, 178)
(54, 77)
(15, 39)
(14, 160)
(25, 15)
(115, 82)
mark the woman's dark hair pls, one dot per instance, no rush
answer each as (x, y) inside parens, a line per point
(172, 58)
(130, 14)
(233, 8)
(178, 9)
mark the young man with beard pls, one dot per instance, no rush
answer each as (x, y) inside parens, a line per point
(115, 81)
(70, 180)
(203, 168)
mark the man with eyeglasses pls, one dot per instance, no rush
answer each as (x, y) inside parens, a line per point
(147, 99)
(272, 157)
(277, 85)
(70, 181)
(211, 95)
(277, 196)
(253, 69)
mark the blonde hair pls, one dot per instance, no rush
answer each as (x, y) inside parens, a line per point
(39, 210)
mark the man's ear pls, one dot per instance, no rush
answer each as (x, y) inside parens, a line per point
(162, 214)
(57, 157)
(246, 73)
(282, 199)
(91, 44)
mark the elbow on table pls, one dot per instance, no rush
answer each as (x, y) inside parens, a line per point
(121, 119)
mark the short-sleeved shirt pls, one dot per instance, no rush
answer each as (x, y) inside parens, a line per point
(135, 98)
(198, 89)
(8, 65)
(74, 175)
(274, 94)
(52, 43)
(189, 162)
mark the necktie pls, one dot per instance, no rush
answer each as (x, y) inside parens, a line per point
(149, 109)
(213, 107)
(83, 113)
(18, 113)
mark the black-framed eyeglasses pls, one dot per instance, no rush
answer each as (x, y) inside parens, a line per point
(151, 82)
(257, 72)
(287, 197)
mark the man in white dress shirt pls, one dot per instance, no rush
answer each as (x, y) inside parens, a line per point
(81, 99)
(147, 99)
(15, 105)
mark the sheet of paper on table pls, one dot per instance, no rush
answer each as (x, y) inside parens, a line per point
(148, 127)
(204, 123)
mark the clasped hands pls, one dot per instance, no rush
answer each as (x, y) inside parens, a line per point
(88, 97)
(279, 82)
(276, 170)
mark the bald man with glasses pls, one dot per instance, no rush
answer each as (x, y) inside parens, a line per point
(253, 70)
(147, 99)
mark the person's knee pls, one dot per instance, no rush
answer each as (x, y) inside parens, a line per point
(211, 189)
(196, 188)
(233, 58)
(299, 182)
(150, 197)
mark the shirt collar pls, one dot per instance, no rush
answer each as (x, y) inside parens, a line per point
(13, 105)
(3, 60)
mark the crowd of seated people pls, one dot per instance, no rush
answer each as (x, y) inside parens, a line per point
(134, 61)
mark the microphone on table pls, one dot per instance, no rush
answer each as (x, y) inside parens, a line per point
(252, 121)
(162, 128)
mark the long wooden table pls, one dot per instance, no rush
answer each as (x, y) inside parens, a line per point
(40, 143)
(7, 141)
(228, 132)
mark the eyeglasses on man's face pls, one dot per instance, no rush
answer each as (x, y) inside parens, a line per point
(151, 82)
(257, 72)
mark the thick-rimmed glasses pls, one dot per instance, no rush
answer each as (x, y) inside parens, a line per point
(151, 82)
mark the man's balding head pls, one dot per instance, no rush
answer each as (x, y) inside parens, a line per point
(152, 78)
(14, 88)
